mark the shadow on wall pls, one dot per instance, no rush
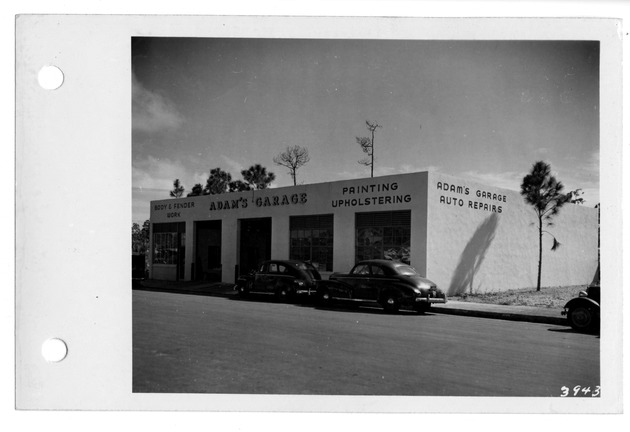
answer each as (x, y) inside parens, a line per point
(473, 255)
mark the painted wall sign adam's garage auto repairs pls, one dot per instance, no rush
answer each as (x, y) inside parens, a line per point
(471, 204)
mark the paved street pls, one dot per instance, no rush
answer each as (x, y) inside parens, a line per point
(202, 344)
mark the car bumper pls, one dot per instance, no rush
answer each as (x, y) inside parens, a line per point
(306, 291)
(430, 300)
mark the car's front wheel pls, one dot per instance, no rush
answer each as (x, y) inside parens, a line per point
(391, 303)
(582, 318)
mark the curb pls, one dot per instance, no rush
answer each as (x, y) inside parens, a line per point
(509, 316)
(188, 291)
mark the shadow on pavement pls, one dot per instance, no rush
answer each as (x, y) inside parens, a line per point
(570, 330)
(336, 307)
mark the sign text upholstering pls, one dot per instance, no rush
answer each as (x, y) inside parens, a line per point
(366, 198)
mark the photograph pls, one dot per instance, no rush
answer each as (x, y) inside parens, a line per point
(343, 216)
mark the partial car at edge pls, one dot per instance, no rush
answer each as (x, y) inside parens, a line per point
(583, 312)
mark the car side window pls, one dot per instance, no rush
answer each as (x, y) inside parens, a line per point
(282, 269)
(273, 268)
(363, 269)
(377, 270)
(263, 268)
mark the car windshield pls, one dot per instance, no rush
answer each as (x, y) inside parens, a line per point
(406, 270)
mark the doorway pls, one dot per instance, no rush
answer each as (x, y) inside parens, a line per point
(255, 243)
(208, 251)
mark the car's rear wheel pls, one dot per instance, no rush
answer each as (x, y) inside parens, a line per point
(391, 303)
(282, 294)
(581, 318)
(244, 289)
(423, 307)
(324, 297)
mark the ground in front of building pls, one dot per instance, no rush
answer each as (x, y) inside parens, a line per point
(552, 297)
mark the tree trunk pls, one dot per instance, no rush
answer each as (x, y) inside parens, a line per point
(372, 162)
(540, 233)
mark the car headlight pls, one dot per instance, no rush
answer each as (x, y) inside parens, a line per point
(417, 290)
(299, 282)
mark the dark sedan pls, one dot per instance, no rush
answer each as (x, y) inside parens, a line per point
(282, 278)
(391, 284)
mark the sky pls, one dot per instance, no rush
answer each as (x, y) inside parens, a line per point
(483, 111)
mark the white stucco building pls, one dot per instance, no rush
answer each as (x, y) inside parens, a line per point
(465, 236)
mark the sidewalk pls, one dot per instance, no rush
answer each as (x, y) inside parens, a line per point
(512, 313)
(453, 307)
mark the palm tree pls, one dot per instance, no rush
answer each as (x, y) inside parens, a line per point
(257, 177)
(542, 191)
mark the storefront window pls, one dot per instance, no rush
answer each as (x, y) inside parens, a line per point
(383, 235)
(165, 248)
(312, 240)
(169, 240)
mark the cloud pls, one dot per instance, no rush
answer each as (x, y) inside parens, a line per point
(152, 112)
(584, 175)
(231, 166)
(507, 180)
(403, 169)
(158, 174)
(580, 174)
(592, 164)
(379, 171)
(406, 168)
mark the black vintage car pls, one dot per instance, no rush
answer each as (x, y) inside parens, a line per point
(283, 278)
(583, 311)
(391, 284)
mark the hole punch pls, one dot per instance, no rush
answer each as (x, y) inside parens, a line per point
(50, 77)
(54, 350)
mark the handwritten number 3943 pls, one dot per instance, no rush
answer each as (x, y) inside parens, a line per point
(580, 391)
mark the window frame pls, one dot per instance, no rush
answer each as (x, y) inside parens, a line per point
(379, 233)
(311, 238)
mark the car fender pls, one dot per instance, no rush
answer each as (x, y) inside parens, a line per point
(581, 301)
(399, 287)
(334, 287)
(242, 280)
(397, 290)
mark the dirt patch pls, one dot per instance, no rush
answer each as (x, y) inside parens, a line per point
(554, 297)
